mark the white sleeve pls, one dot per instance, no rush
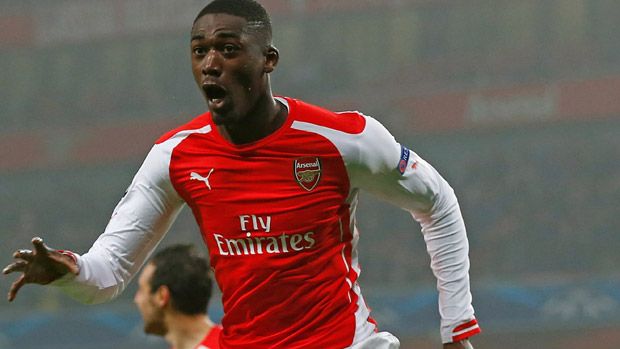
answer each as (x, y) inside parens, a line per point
(398, 175)
(138, 223)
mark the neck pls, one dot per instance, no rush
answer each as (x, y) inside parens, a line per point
(187, 331)
(267, 117)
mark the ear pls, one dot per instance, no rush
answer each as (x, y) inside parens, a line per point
(272, 56)
(162, 296)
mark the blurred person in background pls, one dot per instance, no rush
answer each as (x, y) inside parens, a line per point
(173, 294)
(273, 183)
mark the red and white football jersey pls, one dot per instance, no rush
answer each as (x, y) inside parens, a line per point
(278, 217)
(212, 339)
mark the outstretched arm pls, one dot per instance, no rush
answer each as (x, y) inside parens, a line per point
(138, 224)
(39, 266)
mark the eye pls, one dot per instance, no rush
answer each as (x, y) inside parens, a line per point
(199, 51)
(229, 48)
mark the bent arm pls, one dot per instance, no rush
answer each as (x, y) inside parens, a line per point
(399, 176)
(139, 222)
(446, 242)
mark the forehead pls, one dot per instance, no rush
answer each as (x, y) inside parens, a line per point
(219, 24)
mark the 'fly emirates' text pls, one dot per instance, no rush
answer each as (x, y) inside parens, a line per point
(251, 245)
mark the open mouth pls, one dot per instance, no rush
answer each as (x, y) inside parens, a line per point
(215, 94)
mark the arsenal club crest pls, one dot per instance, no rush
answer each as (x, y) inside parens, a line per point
(307, 172)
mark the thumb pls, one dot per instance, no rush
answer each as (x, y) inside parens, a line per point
(39, 246)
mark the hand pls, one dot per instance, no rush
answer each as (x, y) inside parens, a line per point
(41, 266)
(464, 344)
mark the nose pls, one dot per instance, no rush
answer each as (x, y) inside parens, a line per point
(212, 64)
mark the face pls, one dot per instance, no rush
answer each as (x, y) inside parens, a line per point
(230, 64)
(152, 313)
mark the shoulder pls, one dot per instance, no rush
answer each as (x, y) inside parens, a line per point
(215, 330)
(351, 122)
(363, 142)
(199, 122)
(211, 340)
(349, 129)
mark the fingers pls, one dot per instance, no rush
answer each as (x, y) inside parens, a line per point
(15, 287)
(39, 246)
(26, 255)
(13, 267)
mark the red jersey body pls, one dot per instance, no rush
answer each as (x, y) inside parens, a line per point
(247, 201)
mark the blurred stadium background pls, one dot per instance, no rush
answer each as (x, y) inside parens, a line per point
(517, 103)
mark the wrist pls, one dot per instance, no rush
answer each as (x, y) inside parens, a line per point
(460, 344)
(72, 260)
(466, 344)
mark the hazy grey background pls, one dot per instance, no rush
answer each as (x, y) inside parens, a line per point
(517, 103)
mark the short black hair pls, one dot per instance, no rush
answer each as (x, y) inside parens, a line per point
(186, 274)
(253, 12)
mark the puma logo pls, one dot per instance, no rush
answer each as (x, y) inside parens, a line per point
(197, 177)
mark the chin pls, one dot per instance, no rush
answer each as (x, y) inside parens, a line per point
(223, 114)
(154, 328)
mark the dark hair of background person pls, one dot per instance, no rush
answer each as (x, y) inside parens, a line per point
(187, 276)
